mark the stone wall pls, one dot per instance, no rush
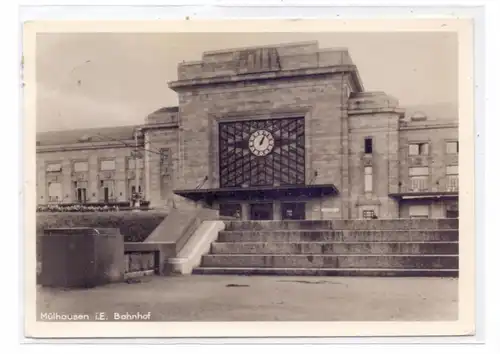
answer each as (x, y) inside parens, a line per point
(318, 99)
(290, 80)
(164, 167)
(67, 157)
(382, 128)
(436, 135)
(284, 57)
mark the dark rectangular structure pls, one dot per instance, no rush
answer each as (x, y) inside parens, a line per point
(81, 257)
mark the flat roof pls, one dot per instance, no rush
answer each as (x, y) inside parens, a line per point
(66, 137)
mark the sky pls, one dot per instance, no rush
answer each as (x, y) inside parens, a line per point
(92, 80)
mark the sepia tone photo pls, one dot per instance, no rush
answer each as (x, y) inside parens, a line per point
(246, 176)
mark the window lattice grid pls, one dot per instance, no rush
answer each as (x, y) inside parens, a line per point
(285, 165)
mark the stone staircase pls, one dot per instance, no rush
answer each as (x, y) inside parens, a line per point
(335, 247)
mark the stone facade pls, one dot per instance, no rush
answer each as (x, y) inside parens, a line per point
(60, 153)
(359, 142)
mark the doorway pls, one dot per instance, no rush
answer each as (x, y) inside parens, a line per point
(106, 195)
(293, 211)
(82, 195)
(261, 211)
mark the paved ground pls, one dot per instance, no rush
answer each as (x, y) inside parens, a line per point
(259, 298)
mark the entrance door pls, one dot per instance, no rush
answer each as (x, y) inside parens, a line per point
(293, 211)
(82, 195)
(106, 195)
(261, 211)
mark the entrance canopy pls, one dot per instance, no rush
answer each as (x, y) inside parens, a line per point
(258, 193)
(424, 195)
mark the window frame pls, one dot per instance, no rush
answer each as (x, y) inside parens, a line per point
(419, 176)
(366, 145)
(419, 216)
(101, 161)
(366, 176)
(452, 179)
(75, 162)
(132, 168)
(451, 174)
(50, 163)
(58, 198)
(456, 142)
(419, 144)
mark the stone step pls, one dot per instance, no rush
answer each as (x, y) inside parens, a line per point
(337, 236)
(401, 261)
(334, 248)
(352, 224)
(341, 272)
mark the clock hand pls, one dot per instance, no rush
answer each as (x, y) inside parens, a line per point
(261, 140)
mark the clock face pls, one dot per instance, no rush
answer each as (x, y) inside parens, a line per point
(262, 153)
(261, 142)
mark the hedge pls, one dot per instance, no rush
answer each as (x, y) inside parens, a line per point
(135, 226)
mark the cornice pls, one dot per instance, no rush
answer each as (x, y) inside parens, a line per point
(264, 76)
(398, 111)
(130, 144)
(429, 126)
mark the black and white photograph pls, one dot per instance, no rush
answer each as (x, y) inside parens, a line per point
(220, 176)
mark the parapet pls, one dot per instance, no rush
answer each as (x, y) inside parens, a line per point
(372, 102)
(163, 116)
(263, 59)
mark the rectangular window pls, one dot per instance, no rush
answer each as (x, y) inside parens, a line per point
(452, 210)
(368, 179)
(413, 149)
(419, 177)
(452, 178)
(419, 171)
(107, 165)
(452, 147)
(419, 149)
(81, 166)
(55, 192)
(131, 163)
(368, 145)
(419, 211)
(54, 167)
(452, 170)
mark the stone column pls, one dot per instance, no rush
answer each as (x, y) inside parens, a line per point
(276, 210)
(393, 164)
(155, 180)
(120, 179)
(245, 211)
(67, 189)
(345, 190)
(93, 179)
